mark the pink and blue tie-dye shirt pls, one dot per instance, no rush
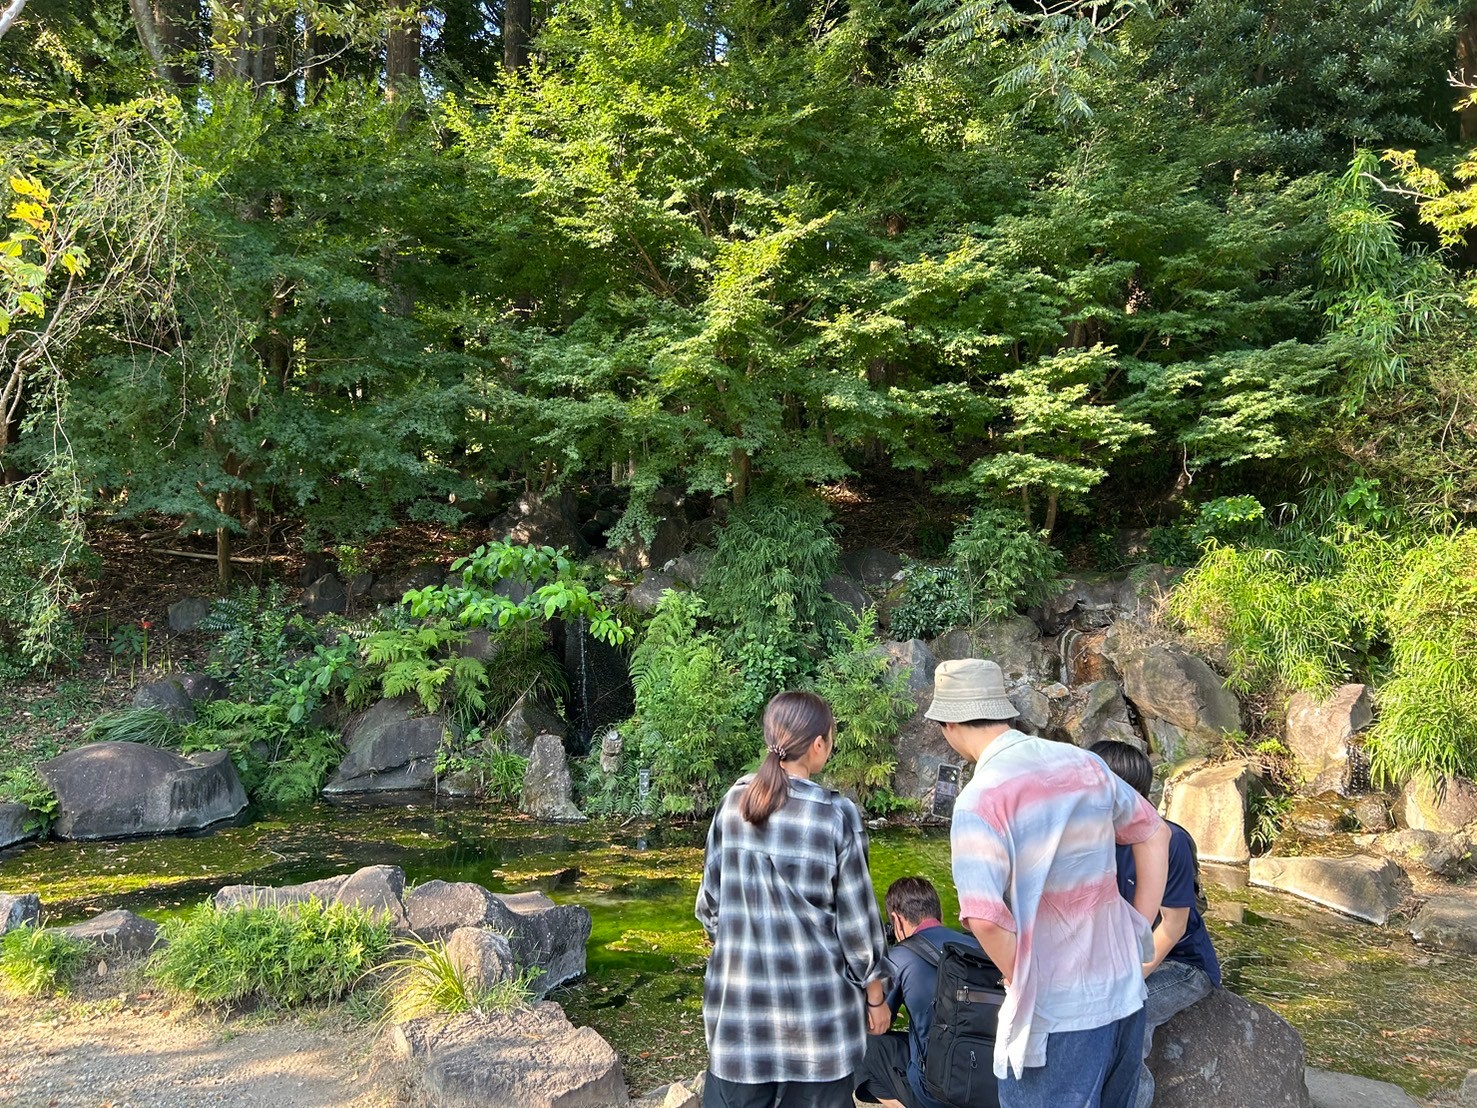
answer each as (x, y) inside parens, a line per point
(1033, 842)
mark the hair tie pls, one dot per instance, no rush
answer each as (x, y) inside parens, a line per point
(778, 751)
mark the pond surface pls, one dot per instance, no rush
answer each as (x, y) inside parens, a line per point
(1365, 999)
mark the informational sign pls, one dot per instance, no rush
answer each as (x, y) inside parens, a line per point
(946, 790)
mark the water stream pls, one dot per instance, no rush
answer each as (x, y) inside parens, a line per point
(1366, 999)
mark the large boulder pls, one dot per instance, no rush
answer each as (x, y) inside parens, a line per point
(1448, 922)
(113, 790)
(16, 824)
(1448, 804)
(1320, 733)
(1365, 888)
(921, 749)
(526, 721)
(1210, 802)
(666, 544)
(380, 890)
(1034, 707)
(847, 593)
(548, 792)
(19, 910)
(1015, 644)
(389, 748)
(872, 566)
(679, 1094)
(536, 521)
(691, 567)
(326, 596)
(185, 615)
(118, 932)
(1446, 855)
(543, 935)
(390, 590)
(202, 687)
(531, 1058)
(1097, 711)
(1167, 683)
(914, 657)
(1230, 1053)
(647, 592)
(1094, 600)
(167, 696)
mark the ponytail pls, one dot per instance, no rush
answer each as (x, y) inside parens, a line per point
(792, 721)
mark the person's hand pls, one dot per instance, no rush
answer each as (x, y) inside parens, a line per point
(879, 1019)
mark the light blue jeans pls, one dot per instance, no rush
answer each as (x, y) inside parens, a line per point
(1098, 1068)
(1173, 987)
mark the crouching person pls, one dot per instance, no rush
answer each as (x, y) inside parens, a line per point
(1184, 968)
(892, 1073)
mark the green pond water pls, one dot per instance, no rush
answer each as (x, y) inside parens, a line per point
(1365, 999)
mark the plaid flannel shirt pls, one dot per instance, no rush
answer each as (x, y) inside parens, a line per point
(796, 937)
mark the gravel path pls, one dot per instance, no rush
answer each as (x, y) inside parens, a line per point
(131, 1050)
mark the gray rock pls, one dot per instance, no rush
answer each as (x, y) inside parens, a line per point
(390, 590)
(1448, 922)
(647, 592)
(847, 593)
(544, 935)
(527, 720)
(600, 692)
(185, 615)
(872, 566)
(953, 644)
(389, 748)
(548, 792)
(202, 687)
(1230, 1053)
(483, 957)
(377, 889)
(531, 1058)
(480, 645)
(359, 585)
(1442, 854)
(116, 931)
(679, 1094)
(167, 696)
(1034, 708)
(1372, 813)
(1015, 644)
(1168, 743)
(325, 596)
(1344, 1090)
(915, 657)
(19, 910)
(1164, 682)
(1362, 887)
(112, 790)
(1468, 1092)
(921, 749)
(665, 546)
(1449, 804)
(536, 521)
(17, 825)
(1209, 801)
(1097, 711)
(1321, 732)
(689, 568)
(1083, 600)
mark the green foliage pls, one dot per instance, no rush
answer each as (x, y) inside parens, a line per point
(690, 728)
(24, 784)
(932, 602)
(869, 704)
(254, 632)
(41, 546)
(1002, 565)
(498, 771)
(279, 761)
(422, 661)
(39, 960)
(287, 955)
(134, 725)
(1266, 816)
(424, 981)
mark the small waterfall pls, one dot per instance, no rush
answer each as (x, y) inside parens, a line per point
(587, 727)
(1064, 644)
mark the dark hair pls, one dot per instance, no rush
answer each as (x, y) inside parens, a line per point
(792, 721)
(1128, 762)
(913, 898)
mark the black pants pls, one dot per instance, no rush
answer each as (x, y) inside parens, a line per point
(884, 1071)
(718, 1093)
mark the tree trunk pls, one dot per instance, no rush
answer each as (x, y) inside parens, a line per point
(10, 14)
(740, 472)
(1466, 74)
(403, 56)
(1050, 512)
(223, 559)
(517, 34)
(146, 24)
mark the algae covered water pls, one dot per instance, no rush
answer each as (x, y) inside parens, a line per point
(1365, 999)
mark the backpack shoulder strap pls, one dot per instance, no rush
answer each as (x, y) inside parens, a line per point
(923, 948)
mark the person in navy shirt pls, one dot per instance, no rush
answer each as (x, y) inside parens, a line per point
(1185, 968)
(891, 1074)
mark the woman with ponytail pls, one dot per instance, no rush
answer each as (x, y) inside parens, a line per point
(794, 982)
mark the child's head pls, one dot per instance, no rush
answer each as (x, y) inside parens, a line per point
(1128, 762)
(912, 899)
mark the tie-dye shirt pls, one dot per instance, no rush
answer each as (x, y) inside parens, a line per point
(1033, 841)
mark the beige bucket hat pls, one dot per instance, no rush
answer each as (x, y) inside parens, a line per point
(968, 689)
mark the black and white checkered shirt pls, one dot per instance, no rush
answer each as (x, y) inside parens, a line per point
(796, 937)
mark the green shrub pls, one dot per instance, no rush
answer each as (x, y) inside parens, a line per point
(134, 725)
(25, 785)
(425, 982)
(932, 601)
(1003, 565)
(869, 705)
(254, 633)
(41, 546)
(288, 955)
(498, 771)
(689, 729)
(35, 961)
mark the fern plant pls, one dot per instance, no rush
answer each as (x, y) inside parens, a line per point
(36, 960)
(421, 661)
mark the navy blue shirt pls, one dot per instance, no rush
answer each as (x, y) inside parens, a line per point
(913, 981)
(1179, 892)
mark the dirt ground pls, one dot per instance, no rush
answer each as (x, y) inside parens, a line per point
(133, 1049)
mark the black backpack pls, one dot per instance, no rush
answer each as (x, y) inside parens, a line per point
(958, 1068)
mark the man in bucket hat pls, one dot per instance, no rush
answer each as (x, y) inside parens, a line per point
(1033, 843)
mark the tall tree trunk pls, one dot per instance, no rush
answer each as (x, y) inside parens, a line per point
(517, 34)
(1466, 74)
(146, 23)
(10, 14)
(403, 55)
(1051, 498)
